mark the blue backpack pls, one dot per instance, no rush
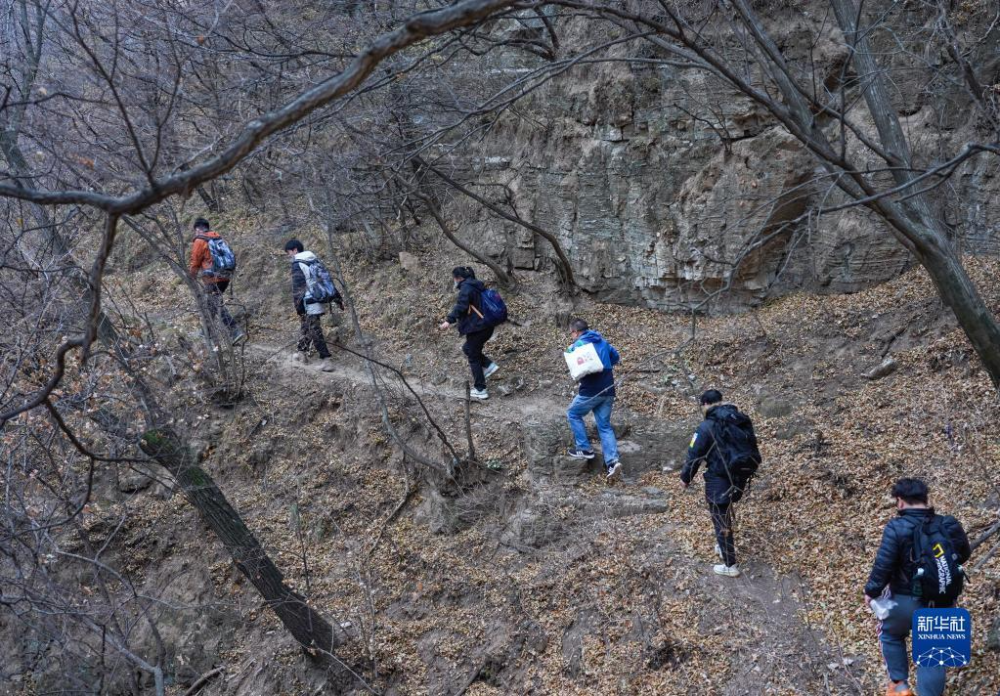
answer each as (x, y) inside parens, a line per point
(321, 287)
(223, 258)
(494, 310)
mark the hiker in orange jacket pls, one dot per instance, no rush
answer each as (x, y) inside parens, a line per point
(203, 266)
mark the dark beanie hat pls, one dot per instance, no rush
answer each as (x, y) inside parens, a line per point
(202, 223)
(712, 396)
(463, 272)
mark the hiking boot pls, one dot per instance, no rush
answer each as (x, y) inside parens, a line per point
(581, 454)
(726, 571)
(491, 370)
(899, 689)
(328, 365)
(480, 394)
(612, 467)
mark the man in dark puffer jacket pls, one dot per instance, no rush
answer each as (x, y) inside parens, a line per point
(892, 577)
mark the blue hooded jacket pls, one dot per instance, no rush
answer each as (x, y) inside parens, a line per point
(599, 383)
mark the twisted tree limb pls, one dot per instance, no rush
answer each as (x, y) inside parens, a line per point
(415, 30)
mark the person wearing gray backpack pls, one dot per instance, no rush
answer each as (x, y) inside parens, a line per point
(312, 291)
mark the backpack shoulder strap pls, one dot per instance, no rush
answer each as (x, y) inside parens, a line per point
(937, 523)
(713, 425)
(203, 238)
(715, 422)
(917, 528)
(472, 304)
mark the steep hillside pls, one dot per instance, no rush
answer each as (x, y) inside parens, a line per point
(747, 196)
(529, 573)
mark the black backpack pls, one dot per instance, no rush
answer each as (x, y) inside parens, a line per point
(938, 578)
(737, 443)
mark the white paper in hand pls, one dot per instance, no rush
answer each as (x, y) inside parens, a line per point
(583, 361)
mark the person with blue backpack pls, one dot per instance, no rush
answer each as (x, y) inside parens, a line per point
(312, 291)
(477, 312)
(918, 565)
(213, 263)
(726, 444)
(597, 394)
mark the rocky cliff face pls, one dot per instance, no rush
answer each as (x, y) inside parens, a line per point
(667, 187)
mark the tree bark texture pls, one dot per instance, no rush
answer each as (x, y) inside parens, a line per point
(311, 630)
(915, 217)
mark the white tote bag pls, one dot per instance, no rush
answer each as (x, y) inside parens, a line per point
(583, 361)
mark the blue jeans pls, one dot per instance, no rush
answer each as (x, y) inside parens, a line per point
(601, 406)
(892, 634)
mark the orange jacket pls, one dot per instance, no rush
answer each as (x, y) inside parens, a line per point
(201, 259)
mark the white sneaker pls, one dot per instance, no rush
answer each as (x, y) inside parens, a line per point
(727, 571)
(480, 394)
(612, 467)
(300, 358)
(328, 365)
(491, 370)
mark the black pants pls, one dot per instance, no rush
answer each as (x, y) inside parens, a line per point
(722, 520)
(213, 296)
(478, 361)
(312, 335)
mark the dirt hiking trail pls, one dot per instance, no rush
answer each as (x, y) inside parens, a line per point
(761, 608)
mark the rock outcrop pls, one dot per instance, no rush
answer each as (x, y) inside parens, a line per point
(666, 187)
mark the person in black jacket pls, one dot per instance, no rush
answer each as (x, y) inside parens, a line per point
(311, 330)
(892, 577)
(468, 315)
(720, 491)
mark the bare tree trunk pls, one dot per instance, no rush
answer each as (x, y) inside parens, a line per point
(210, 201)
(914, 218)
(564, 265)
(430, 199)
(959, 293)
(171, 451)
(501, 275)
(311, 630)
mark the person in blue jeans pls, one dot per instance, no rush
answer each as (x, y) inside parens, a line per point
(892, 578)
(597, 394)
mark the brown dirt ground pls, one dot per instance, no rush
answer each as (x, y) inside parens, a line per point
(623, 607)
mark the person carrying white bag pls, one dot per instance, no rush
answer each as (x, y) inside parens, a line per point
(591, 362)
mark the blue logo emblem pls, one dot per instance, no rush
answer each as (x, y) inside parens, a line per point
(942, 637)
